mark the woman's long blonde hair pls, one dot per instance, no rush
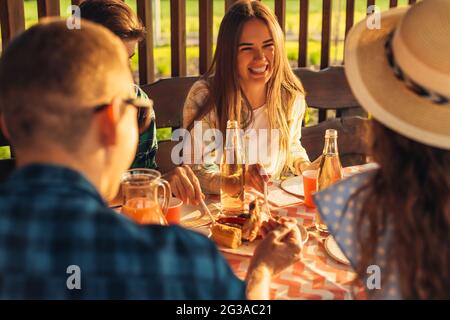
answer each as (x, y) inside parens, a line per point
(225, 95)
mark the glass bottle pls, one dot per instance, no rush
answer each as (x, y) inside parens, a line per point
(330, 169)
(232, 171)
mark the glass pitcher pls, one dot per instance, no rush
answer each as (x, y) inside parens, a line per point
(140, 192)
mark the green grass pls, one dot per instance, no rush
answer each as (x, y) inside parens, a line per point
(162, 50)
(5, 152)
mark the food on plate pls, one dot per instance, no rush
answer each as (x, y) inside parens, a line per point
(250, 229)
(226, 236)
(231, 231)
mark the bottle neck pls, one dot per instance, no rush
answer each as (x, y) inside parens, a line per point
(232, 138)
(330, 146)
(233, 153)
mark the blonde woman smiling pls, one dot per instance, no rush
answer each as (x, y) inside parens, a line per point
(251, 81)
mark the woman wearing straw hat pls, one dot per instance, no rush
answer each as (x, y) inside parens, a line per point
(393, 223)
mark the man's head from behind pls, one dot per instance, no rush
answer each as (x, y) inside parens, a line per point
(52, 78)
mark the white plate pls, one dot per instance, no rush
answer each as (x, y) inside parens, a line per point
(192, 217)
(334, 251)
(248, 248)
(293, 185)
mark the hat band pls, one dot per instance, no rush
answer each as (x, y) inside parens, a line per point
(411, 84)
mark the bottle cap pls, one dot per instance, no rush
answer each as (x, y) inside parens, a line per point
(232, 124)
(331, 133)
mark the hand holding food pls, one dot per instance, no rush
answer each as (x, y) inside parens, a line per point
(251, 227)
(256, 176)
(280, 247)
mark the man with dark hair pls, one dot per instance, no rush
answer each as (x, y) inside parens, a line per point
(118, 17)
(75, 133)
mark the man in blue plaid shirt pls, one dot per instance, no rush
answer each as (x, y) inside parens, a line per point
(74, 133)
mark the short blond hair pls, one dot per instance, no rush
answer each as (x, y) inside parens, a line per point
(49, 73)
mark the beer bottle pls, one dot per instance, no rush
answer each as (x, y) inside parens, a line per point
(232, 171)
(330, 169)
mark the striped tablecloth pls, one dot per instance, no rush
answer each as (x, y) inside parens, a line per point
(315, 276)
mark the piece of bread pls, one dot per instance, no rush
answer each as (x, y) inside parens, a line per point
(226, 236)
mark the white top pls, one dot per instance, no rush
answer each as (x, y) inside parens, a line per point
(263, 148)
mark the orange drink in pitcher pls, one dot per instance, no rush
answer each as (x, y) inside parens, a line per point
(140, 196)
(143, 211)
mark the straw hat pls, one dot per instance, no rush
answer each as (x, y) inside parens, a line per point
(401, 72)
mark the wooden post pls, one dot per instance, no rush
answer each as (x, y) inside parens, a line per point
(303, 32)
(47, 8)
(393, 3)
(325, 47)
(12, 19)
(326, 27)
(280, 12)
(178, 37)
(206, 34)
(349, 15)
(146, 59)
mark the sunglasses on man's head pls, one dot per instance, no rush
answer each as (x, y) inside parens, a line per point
(143, 107)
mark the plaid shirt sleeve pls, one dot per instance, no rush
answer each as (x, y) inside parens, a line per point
(148, 143)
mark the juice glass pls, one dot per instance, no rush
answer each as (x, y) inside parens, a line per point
(309, 186)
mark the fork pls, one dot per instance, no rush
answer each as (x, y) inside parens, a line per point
(205, 209)
(266, 201)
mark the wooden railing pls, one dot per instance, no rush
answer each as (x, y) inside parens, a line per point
(13, 22)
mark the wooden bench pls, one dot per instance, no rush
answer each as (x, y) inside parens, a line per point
(352, 139)
(168, 97)
(325, 90)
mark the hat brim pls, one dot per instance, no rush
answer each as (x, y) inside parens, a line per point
(388, 99)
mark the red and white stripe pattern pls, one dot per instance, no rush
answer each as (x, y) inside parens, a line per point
(315, 276)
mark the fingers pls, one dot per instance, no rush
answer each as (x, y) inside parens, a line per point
(273, 224)
(198, 194)
(257, 182)
(294, 237)
(315, 164)
(262, 172)
(256, 176)
(317, 161)
(184, 184)
(279, 233)
(177, 188)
